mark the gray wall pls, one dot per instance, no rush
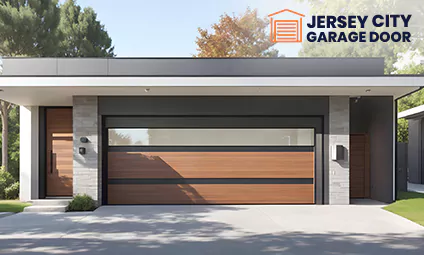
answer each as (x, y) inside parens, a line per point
(193, 66)
(213, 105)
(415, 151)
(402, 167)
(374, 115)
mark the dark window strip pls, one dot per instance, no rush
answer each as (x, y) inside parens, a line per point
(211, 148)
(214, 121)
(214, 181)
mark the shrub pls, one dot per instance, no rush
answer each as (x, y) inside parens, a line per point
(6, 179)
(82, 203)
(12, 192)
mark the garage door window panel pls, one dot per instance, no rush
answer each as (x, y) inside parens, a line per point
(211, 137)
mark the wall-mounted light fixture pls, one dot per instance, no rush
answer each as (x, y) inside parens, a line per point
(357, 99)
(81, 150)
(337, 152)
(84, 139)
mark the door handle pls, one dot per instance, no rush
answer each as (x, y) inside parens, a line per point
(51, 161)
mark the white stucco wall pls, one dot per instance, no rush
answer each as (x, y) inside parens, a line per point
(29, 138)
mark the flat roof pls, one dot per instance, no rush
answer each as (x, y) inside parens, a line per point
(413, 113)
(193, 67)
(54, 81)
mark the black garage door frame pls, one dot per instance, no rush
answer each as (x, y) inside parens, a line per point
(219, 121)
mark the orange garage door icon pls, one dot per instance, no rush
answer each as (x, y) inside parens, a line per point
(283, 30)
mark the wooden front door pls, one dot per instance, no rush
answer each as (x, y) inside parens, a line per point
(359, 166)
(59, 146)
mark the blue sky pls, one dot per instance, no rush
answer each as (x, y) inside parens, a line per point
(168, 28)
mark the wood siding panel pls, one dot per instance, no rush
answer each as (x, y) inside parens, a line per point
(211, 194)
(59, 152)
(210, 165)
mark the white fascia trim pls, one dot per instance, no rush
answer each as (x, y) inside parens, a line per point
(411, 112)
(388, 81)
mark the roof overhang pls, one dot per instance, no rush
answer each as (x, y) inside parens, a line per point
(413, 113)
(58, 91)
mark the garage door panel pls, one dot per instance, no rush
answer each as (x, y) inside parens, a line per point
(211, 194)
(210, 165)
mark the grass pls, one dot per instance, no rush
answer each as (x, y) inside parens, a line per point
(12, 206)
(409, 205)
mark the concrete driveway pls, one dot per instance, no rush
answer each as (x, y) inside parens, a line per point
(189, 230)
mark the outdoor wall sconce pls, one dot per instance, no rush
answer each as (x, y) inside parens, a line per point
(84, 139)
(337, 152)
(81, 150)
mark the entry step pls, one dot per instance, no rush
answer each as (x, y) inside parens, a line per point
(48, 205)
(42, 208)
(50, 202)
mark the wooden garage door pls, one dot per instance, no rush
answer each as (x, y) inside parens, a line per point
(209, 174)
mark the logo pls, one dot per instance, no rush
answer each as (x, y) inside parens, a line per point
(286, 30)
(326, 28)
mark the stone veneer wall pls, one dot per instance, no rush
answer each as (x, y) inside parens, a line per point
(87, 173)
(339, 135)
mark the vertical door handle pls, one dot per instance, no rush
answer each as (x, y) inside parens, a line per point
(51, 161)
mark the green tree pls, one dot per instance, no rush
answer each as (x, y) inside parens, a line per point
(83, 34)
(42, 28)
(13, 141)
(27, 28)
(388, 50)
(236, 36)
(5, 108)
(411, 101)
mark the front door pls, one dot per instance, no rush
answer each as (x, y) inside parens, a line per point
(59, 152)
(359, 166)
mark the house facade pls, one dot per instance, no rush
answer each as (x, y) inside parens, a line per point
(206, 131)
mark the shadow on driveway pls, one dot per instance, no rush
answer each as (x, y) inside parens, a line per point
(185, 230)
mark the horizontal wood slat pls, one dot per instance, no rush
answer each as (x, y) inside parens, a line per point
(210, 165)
(211, 194)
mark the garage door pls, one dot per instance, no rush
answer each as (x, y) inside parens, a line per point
(210, 166)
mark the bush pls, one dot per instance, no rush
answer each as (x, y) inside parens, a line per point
(82, 203)
(12, 192)
(6, 179)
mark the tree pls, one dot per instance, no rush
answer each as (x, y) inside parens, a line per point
(83, 34)
(388, 50)
(411, 101)
(26, 28)
(236, 36)
(29, 27)
(13, 142)
(116, 138)
(5, 108)
(42, 28)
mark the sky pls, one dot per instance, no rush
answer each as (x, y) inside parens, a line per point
(168, 28)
